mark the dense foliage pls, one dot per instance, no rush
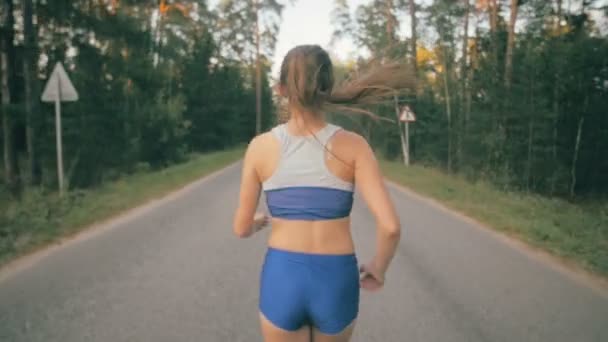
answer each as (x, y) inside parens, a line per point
(157, 81)
(515, 92)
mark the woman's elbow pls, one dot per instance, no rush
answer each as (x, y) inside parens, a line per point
(241, 230)
(395, 232)
(240, 233)
(392, 229)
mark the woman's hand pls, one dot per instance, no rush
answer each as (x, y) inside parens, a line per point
(371, 278)
(260, 221)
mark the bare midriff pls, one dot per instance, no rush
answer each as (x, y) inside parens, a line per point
(314, 237)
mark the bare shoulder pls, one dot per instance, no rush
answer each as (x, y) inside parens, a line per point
(262, 154)
(261, 144)
(351, 141)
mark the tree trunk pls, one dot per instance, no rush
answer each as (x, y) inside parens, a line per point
(510, 45)
(390, 22)
(30, 89)
(473, 61)
(413, 41)
(577, 145)
(463, 85)
(556, 111)
(391, 27)
(448, 109)
(7, 127)
(465, 47)
(558, 19)
(258, 72)
(493, 9)
(556, 114)
(497, 101)
(529, 160)
(530, 133)
(11, 171)
(390, 34)
(493, 16)
(556, 108)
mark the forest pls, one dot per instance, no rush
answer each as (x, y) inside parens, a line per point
(157, 81)
(510, 91)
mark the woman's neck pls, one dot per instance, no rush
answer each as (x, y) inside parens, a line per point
(305, 123)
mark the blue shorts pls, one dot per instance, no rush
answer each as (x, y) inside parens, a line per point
(300, 289)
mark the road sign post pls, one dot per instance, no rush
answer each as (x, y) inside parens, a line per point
(58, 136)
(59, 88)
(404, 148)
(407, 143)
(406, 116)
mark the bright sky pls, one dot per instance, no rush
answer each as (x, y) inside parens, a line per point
(309, 22)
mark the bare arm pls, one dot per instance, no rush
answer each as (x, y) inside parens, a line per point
(370, 183)
(245, 221)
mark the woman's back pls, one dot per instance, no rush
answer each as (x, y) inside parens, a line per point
(308, 169)
(309, 180)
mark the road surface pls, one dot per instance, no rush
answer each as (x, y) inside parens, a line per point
(174, 272)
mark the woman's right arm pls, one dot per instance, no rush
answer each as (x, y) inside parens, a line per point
(246, 222)
(370, 183)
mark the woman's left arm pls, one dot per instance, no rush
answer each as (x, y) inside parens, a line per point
(246, 222)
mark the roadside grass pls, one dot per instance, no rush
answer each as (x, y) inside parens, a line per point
(577, 232)
(42, 218)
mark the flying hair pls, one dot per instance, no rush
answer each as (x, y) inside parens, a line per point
(307, 79)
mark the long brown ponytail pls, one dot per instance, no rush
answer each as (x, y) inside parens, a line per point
(308, 79)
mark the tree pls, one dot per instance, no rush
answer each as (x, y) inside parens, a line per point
(248, 43)
(522, 111)
(414, 38)
(258, 71)
(493, 9)
(510, 44)
(156, 81)
(377, 27)
(465, 77)
(7, 54)
(343, 23)
(30, 83)
(442, 17)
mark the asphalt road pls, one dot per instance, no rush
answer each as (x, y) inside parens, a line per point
(174, 272)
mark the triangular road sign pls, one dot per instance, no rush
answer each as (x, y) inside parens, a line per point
(59, 86)
(407, 115)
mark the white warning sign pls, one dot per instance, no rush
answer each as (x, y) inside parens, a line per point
(407, 115)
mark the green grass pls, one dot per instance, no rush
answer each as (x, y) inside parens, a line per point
(574, 231)
(40, 219)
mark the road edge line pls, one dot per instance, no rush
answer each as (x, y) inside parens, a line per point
(561, 265)
(106, 225)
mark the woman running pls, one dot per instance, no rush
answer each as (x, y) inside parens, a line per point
(308, 170)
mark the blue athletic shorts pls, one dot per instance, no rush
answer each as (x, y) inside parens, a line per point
(319, 290)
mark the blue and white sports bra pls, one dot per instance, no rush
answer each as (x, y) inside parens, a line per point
(302, 187)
